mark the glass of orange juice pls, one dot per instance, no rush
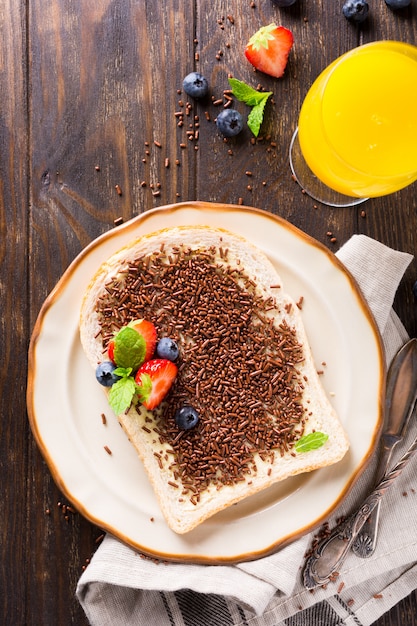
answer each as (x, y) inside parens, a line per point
(357, 129)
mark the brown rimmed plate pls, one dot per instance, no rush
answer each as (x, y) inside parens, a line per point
(65, 403)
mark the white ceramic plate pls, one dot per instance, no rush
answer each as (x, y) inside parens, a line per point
(65, 403)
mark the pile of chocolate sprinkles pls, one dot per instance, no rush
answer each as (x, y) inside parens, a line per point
(236, 367)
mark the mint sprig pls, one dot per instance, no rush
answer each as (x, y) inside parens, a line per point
(312, 441)
(123, 390)
(253, 98)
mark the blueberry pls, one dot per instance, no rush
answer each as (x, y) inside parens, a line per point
(355, 10)
(105, 374)
(195, 85)
(283, 3)
(229, 122)
(397, 4)
(186, 417)
(167, 348)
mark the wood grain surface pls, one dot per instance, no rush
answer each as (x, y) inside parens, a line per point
(94, 127)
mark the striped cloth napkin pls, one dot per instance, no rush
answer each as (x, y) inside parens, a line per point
(120, 589)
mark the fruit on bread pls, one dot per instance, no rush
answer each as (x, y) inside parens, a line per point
(186, 417)
(245, 408)
(148, 332)
(155, 378)
(268, 49)
(105, 373)
(167, 348)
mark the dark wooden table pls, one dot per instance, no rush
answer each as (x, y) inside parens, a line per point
(89, 96)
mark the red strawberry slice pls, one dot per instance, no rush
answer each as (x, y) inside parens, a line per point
(110, 350)
(268, 49)
(148, 332)
(155, 379)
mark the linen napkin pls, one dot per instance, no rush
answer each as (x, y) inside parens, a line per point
(119, 588)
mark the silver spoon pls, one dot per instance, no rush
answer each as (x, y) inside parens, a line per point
(324, 564)
(401, 394)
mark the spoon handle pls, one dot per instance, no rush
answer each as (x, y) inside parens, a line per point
(323, 565)
(401, 394)
(365, 540)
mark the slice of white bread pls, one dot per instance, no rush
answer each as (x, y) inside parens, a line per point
(245, 365)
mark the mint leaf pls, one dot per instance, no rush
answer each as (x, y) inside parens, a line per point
(247, 94)
(129, 348)
(312, 441)
(121, 394)
(123, 372)
(253, 98)
(256, 117)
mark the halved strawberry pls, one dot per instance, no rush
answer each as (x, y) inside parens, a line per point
(268, 49)
(155, 379)
(148, 332)
(110, 351)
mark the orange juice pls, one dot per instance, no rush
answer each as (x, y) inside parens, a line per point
(358, 123)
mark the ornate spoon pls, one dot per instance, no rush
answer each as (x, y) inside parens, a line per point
(401, 396)
(323, 565)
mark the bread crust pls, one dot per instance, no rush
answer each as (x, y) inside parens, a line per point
(232, 252)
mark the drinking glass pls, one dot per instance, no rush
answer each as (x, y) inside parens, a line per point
(357, 129)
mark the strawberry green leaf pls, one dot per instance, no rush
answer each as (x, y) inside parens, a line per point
(129, 348)
(145, 388)
(121, 394)
(262, 37)
(312, 441)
